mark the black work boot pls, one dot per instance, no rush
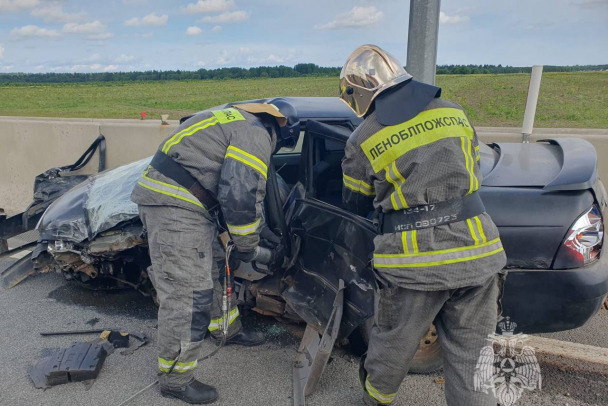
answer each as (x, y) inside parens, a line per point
(248, 338)
(195, 392)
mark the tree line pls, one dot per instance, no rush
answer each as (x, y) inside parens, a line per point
(299, 70)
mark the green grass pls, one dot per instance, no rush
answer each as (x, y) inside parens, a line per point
(566, 99)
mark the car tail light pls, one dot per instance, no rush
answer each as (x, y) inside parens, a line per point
(583, 243)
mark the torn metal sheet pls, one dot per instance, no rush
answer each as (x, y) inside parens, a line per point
(19, 271)
(334, 246)
(314, 352)
(94, 206)
(79, 362)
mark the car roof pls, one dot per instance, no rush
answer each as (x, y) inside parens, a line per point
(309, 108)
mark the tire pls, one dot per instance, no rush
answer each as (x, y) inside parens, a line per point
(427, 359)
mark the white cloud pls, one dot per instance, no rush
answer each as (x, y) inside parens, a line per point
(446, 19)
(17, 5)
(194, 31)
(124, 58)
(55, 14)
(151, 20)
(8, 67)
(217, 28)
(356, 18)
(209, 6)
(33, 31)
(94, 27)
(1, 51)
(229, 17)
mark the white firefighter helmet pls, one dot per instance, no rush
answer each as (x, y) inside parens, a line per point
(367, 72)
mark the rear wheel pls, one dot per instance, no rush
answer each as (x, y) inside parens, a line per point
(427, 359)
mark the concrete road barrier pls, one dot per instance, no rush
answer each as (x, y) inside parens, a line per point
(29, 146)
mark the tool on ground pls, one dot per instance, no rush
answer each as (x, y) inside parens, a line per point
(226, 301)
(81, 361)
(118, 338)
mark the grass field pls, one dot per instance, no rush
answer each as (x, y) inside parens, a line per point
(566, 99)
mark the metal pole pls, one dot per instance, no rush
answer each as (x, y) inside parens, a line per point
(422, 40)
(530, 113)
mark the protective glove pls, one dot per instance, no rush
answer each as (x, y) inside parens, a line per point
(278, 256)
(245, 256)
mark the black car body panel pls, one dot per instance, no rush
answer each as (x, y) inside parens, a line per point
(533, 222)
(333, 245)
(544, 300)
(554, 164)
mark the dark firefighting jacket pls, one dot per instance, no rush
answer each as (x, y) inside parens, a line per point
(227, 151)
(430, 158)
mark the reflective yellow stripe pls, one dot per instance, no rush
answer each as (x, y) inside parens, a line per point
(464, 145)
(472, 231)
(358, 186)
(404, 242)
(441, 257)
(437, 263)
(168, 190)
(180, 367)
(215, 324)
(188, 131)
(414, 241)
(480, 229)
(383, 398)
(446, 251)
(245, 229)
(400, 181)
(401, 204)
(472, 155)
(248, 159)
(394, 141)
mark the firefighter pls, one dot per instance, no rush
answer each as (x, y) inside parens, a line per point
(214, 161)
(415, 161)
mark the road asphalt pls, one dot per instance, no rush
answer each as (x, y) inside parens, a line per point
(244, 376)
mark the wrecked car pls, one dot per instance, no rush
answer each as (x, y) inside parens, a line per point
(545, 197)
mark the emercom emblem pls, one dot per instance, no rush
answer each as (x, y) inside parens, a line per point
(507, 367)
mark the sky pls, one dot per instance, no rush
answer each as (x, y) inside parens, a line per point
(135, 35)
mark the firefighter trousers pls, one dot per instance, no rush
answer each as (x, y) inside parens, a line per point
(185, 274)
(463, 318)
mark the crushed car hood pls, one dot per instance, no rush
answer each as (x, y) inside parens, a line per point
(94, 206)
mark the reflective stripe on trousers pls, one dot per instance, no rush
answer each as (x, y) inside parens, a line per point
(180, 367)
(217, 323)
(383, 398)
